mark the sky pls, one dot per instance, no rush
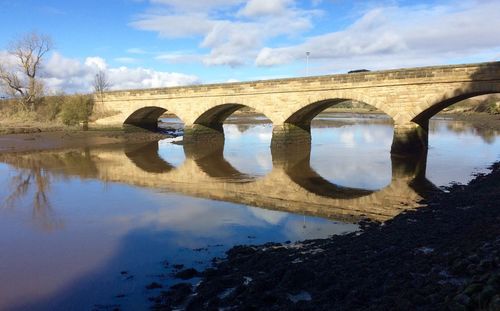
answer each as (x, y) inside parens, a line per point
(157, 43)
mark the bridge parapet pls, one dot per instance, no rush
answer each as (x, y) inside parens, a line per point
(468, 72)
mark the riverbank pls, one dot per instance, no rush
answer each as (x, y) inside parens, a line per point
(445, 256)
(479, 120)
(72, 138)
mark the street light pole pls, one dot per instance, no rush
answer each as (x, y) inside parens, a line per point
(307, 63)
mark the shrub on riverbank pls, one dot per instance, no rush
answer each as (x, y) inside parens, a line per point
(490, 105)
(51, 107)
(59, 109)
(76, 109)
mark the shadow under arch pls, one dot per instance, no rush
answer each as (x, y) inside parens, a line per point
(215, 116)
(485, 80)
(209, 157)
(146, 117)
(145, 156)
(427, 114)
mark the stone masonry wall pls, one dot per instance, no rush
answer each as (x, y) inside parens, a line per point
(403, 94)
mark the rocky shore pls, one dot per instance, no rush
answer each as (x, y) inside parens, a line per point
(445, 256)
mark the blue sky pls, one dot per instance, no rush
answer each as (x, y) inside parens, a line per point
(151, 43)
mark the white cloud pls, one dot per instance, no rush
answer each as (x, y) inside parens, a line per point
(179, 57)
(58, 66)
(400, 37)
(198, 5)
(269, 216)
(175, 26)
(271, 57)
(265, 137)
(232, 38)
(131, 78)
(136, 51)
(255, 8)
(72, 75)
(7, 60)
(348, 139)
(96, 62)
(245, 32)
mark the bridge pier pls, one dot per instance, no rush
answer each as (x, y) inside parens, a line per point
(199, 133)
(410, 138)
(199, 149)
(290, 134)
(409, 166)
(291, 154)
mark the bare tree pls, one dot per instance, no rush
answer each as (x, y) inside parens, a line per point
(101, 83)
(22, 81)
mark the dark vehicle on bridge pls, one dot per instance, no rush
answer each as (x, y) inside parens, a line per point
(358, 70)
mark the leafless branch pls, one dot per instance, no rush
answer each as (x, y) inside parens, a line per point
(23, 82)
(101, 82)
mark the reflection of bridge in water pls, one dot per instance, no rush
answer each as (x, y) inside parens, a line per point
(292, 185)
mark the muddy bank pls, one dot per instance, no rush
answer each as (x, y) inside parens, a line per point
(478, 120)
(38, 141)
(445, 256)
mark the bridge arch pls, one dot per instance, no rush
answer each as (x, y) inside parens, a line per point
(297, 125)
(303, 116)
(411, 134)
(148, 117)
(442, 103)
(208, 125)
(216, 115)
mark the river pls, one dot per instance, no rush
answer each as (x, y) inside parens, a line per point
(90, 229)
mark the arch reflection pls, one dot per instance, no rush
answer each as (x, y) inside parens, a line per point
(146, 157)
(292, 185)
(295, 160)
(209, 157)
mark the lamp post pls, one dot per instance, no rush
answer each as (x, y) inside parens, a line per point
(307, 63)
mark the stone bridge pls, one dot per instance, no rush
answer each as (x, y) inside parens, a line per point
(409, 96)
(291, 186)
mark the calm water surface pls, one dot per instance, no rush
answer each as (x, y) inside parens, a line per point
(89, 229)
